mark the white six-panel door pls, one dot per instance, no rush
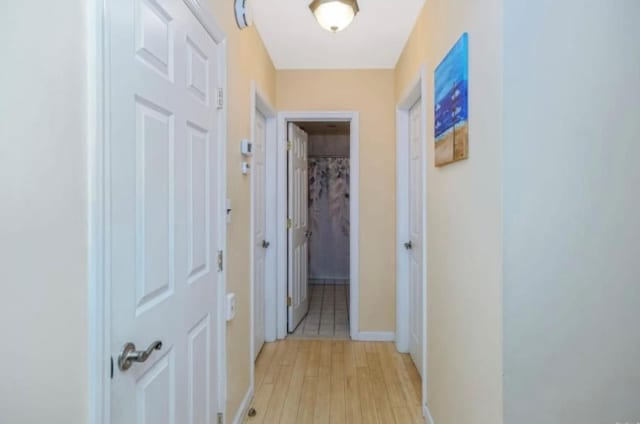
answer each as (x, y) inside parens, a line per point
(299, 230)
(163, 200)
(260, 244)
(415, 248)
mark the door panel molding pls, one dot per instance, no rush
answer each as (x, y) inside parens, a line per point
(98, 123)
(417, 91)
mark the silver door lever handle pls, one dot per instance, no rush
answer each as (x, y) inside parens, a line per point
(130, 355)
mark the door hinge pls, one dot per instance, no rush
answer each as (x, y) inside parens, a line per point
(220, 260)
(289, 223)
(289, 146)
(288, 300)
(220, 418)
(220, 98)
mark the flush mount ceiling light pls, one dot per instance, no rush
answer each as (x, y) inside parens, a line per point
(334, 15)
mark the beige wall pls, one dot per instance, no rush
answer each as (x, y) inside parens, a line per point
(370, 92)
(248, 61)
(43, 213)
(464, 218)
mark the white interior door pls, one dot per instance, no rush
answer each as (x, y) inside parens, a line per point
(299, 229)
(260, 245)
(414, 244)
(164, 203)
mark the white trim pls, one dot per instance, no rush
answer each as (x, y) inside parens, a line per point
(260, 103)
(99, 306)
(204, 15)
(222, 227)
(244, 407)
(279, 307)
(99, 289)
(417, 91)
(428, 418)
(374, 336)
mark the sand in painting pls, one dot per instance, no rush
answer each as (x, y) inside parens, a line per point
(444, 149)
(449, 148)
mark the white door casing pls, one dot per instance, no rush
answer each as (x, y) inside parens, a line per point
(164, 199)
(299, 228)
(260, 242)
(414, 244)
(277, 307)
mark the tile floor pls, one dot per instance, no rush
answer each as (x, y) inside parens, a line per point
(328, 315)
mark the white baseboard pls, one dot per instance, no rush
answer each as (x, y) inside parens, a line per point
(244, 407)
(428, 419)
(374, 336)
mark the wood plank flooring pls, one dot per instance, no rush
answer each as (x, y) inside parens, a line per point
(335, 381)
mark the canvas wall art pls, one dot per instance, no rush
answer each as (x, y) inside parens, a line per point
(452, 105)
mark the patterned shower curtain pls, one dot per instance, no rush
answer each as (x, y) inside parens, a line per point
(329, 218)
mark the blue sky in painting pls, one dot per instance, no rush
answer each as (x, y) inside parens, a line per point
(451, 82)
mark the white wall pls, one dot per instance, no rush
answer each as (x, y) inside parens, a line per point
(43, 330)
(571, 208)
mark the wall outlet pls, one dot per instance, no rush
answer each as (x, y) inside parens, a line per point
(231, 306)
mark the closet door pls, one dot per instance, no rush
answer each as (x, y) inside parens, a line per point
(260, 244)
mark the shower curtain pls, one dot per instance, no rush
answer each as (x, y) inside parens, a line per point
(329, 218)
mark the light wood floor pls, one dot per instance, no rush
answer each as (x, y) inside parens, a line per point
(335, 381)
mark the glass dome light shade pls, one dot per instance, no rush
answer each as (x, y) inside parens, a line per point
(334, 15)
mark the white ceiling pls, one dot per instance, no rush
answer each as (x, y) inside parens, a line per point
(375, 39)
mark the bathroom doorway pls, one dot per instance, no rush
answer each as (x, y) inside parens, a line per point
(316, 289)
(328, 230)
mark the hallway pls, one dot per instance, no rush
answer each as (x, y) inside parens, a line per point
(335, 381)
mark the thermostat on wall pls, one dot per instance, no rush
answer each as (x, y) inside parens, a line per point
(246, 147)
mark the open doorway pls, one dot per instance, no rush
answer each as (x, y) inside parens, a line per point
(326, 239)
(329, 299)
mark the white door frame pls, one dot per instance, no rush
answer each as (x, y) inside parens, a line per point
(98, 205)
(417, 91)
(260, 103)
(278, 307)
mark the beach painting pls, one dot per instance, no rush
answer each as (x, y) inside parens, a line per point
(452, 105)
